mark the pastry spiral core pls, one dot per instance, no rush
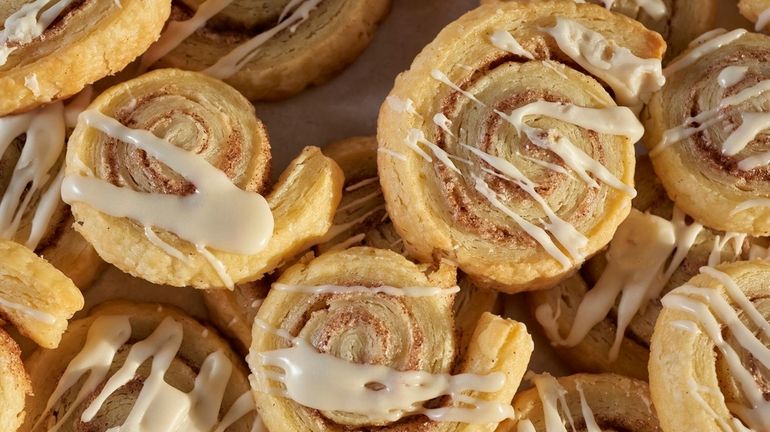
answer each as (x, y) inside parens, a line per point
(493, 153)
(273, 49)
(346, 308)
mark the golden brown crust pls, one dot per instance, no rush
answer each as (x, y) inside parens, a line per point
(93, 39)
(691, 384)
(699, 176)
(592, 353)
(752, 9)
(336, 32)
(440, 213)
(303, 201)
(35, 297)
(683, 21)
(618, 403)
(47, 366)
(422, 328)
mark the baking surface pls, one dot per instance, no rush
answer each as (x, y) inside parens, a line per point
(348, 106)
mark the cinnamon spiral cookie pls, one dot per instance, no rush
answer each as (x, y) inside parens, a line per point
(133, 366)
(584, 402)
(608, 327)
(267, 49)
(185, 209)
(678, 21)
(34, 296)
(709, 355)
(32, 147)
(705, 130)
(50, 50)
(363, 339)
(497, 154)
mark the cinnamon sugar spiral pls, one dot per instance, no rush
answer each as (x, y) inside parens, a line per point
(464, 181)
(51, 50)
(705, 132)
(400, 332)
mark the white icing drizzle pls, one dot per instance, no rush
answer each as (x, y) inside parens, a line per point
(525, 425)
(750, 204)
(611, 120)
(324, 382)
(711, 312)
(762, 20)
(752, 124)
(44, 143)
(656, 9)
(361, 184)
(177, 31)
(553, 397)
(705, 37)
(444, 79)
(219, 214)
(352, 241)
(392, 153)
(534, 231)
(443, 122)
(705, 45)
(551, 166)
(240, 408)
(687, 326)
(588, 414)
(357, 202)
(715, 257)
(575, 158)
(159, 406)
(162, 245)
(505, 41)
(416, 137)
(731, 75)
(338, 229)
(737, 140)
(24, 25)
(566, 234)
(401, 105)
(636, 271)
(633, 79)
(236, 59)
(388, 290)
(29, 312)
(218, 266)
